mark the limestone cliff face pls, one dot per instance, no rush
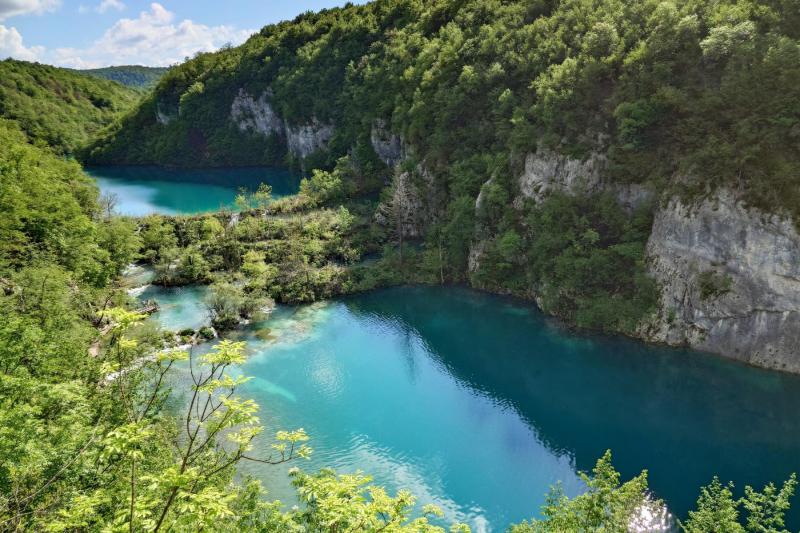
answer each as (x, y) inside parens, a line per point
(730, 280)
(305, 139)
(482, 233)
(255, 115)
(389, 147)
(729, 276)
(258, 115)
(547, 171)
(165, 113)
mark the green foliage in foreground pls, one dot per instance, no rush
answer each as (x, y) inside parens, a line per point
(51, 216)
(90, 439)
(614, 507)
(135, 76)
(104, 426)
(59, 108)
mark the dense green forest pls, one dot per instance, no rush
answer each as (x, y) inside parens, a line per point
(689, 94)
(682, 97)
(59, 107)
(88, 432)
(136, 76)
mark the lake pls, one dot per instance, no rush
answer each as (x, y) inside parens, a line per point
(145, 190)
(479, 403)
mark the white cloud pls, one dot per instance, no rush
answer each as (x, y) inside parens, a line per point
(11, 8)
(154, 38)
(105, 5)
(102, 7)
(11, 46)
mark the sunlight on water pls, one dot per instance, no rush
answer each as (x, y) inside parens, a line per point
(146, 190)
(479, 403)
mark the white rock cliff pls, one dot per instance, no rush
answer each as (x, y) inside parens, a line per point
(258, 115)
(755, 317)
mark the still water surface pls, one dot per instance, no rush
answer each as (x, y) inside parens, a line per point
(146, 190)
(479, 403)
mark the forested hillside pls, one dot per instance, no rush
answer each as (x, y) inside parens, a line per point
(59, 107)
(129, 75)
(483, 102)
(87, 417)
(424, 115)
(699, 90)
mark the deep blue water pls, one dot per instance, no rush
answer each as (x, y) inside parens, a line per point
(143, 190)
(479, 403)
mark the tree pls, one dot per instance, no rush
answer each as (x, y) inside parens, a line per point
(225, 302)
(348, 503)
(718, 512)
(398, 210)
(258, 200)
(607, 504)
(323, 187)
(213, 411)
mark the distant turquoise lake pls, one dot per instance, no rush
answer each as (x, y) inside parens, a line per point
(146, 190)
(479, 403)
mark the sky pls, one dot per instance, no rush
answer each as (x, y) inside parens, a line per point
(99, 33)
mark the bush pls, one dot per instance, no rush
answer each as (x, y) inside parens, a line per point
(713, 284)
(207, 333)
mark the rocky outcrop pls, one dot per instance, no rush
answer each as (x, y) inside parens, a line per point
(730, 281)
(388, 146)
(259, 116)
(165, 114)
(304, 140)
(255, 115)
(482, 233)
(547, 171)
(729, 276)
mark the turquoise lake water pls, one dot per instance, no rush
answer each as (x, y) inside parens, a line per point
(479, 403)
(146, 190)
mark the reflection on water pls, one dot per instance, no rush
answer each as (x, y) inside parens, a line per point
(479, 404)
(145, 190)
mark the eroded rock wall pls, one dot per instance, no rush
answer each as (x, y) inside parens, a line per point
(730, 280)
(305, 139)
(259, 116)
(547, 171)
(389, 147)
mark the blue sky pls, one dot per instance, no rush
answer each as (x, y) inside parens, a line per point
(94, 33)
